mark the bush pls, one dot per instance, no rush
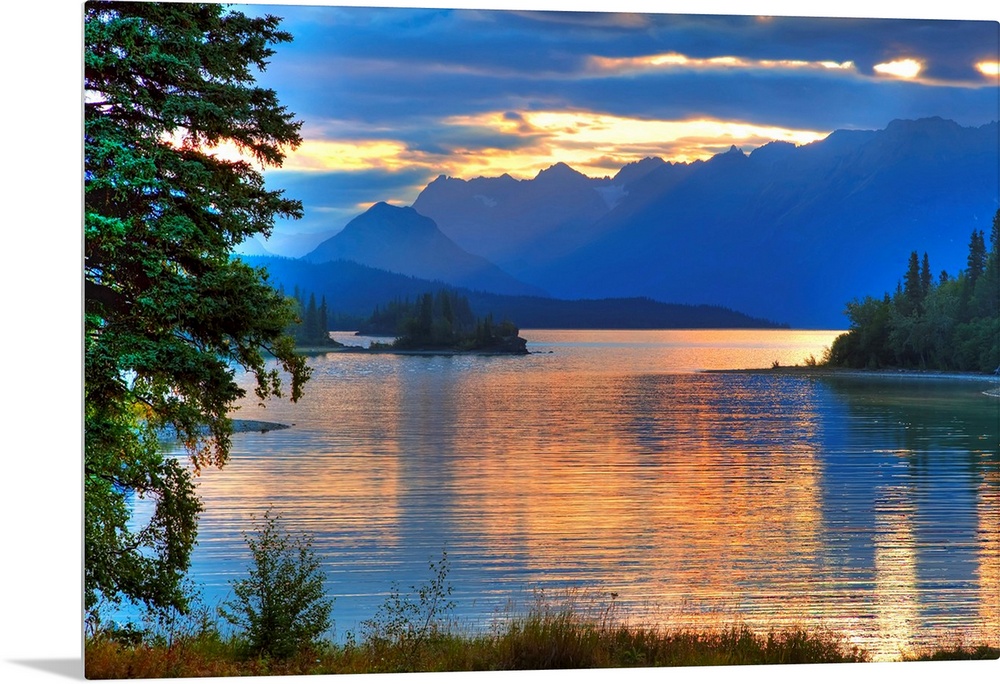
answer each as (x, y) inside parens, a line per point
(281, 606)
(405, 622)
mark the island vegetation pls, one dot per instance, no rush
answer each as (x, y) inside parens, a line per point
(441, 321)
(311, 327)
(946, 323)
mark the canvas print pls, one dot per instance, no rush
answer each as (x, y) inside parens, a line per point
(424, 339)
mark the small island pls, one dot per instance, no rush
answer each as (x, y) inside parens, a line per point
(441, 322)
(438, 323)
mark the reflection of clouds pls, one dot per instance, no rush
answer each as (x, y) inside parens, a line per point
(694, 497)
(896, 612)
(701, 499)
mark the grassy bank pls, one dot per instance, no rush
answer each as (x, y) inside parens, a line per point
(542, 639)
(413, 631)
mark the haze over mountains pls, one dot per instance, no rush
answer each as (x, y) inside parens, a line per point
(785, 233)
(400, 240)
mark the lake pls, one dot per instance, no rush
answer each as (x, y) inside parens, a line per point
(605, 466)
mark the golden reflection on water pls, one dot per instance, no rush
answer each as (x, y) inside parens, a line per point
(700, 500)
(895, 573)
(682, 517)
(988, 506)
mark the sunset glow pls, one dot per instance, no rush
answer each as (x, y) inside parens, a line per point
(674, 60)
(391, 100)
(592, 143)
(338, 155)
(989, 68)
(900, 68)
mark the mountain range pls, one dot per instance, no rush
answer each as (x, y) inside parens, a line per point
(787, 233)
(400, 240)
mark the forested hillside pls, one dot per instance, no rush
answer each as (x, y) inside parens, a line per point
(947, 323)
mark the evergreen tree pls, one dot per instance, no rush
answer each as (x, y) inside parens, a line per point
(425, 318)
(323, 321)
(309, 321)
(925, 277)
(912, 291)
(954, 325)
(977, 258)
(168, 312)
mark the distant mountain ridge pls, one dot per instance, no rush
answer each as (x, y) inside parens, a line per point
(787, 232)
(400, 240)
(353, 290)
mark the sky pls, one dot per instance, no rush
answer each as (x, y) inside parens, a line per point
(41, 264)
(391, 98)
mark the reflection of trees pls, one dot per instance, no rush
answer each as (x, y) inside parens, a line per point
(921, 454)
(929, 420)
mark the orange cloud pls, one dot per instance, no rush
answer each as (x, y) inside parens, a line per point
(988, 68)
(900, 68)
(590, 142)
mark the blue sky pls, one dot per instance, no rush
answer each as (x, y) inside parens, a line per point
(43, 218)
(393, 97)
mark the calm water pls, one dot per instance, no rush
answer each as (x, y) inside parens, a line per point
(606, 463)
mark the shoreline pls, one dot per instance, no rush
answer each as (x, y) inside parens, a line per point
(823, 371)
(347, 349)
(168, 434)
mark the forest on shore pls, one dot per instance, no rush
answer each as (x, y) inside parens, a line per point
(948, 322)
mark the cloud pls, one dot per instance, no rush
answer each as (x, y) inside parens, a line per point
(606, 66)
(522, 143)
(414, 92)
(900, 68)
(326, 155)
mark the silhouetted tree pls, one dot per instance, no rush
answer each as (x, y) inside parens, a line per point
(912, 291)
(925, 277)
(953, 325)
(977, 258)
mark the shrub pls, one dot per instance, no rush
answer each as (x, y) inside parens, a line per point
(404, 622)
(281, 606)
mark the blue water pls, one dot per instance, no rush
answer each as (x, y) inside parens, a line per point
(606, 465)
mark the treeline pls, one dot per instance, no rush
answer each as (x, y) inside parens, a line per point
(354, 290)
(441, 320)
(947, 323)
(312, 327)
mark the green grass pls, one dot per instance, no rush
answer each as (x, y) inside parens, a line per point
(959, 652)
(543, 638)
